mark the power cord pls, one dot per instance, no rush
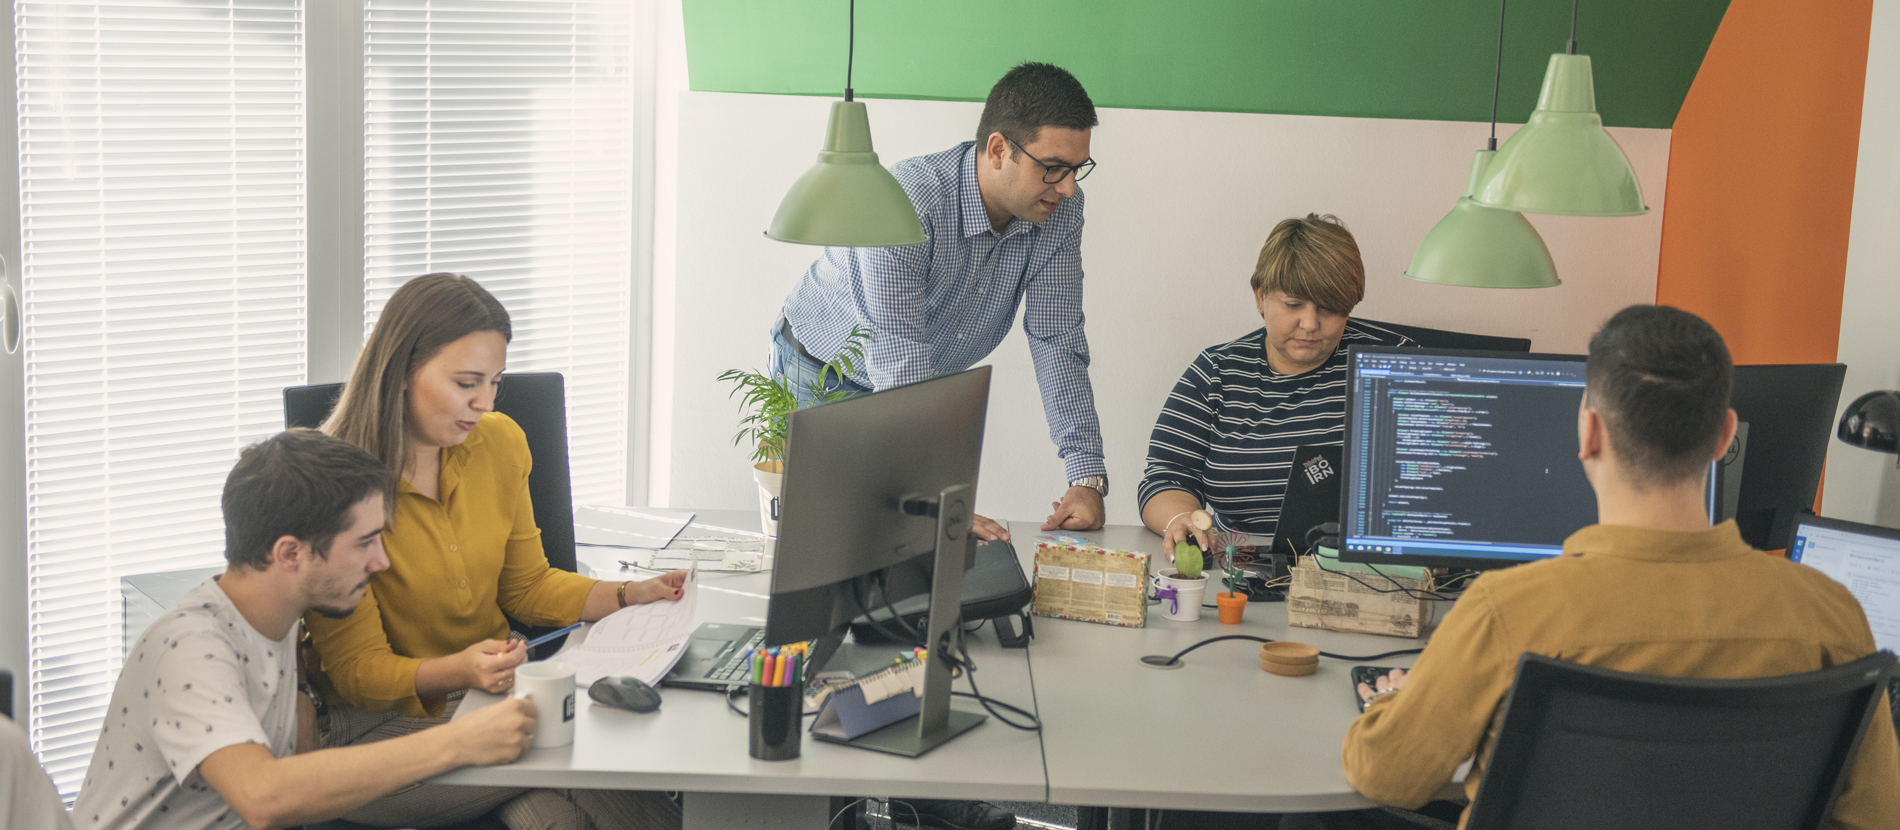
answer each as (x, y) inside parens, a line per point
(1346, 657)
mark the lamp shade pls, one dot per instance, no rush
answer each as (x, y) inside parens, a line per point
(1873, 421)
(1483, 247)
(847, 198)
(1563, 161)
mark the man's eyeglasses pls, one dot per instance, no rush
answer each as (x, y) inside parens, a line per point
(1053, 173)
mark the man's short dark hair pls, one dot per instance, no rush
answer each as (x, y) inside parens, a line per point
(1660, 377)
(1033, 96)
(298, 483)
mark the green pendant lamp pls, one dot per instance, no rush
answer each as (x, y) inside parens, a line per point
(847, 198)
(1563, 161)
(1484, 247)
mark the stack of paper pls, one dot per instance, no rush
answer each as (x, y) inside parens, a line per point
(642, 641)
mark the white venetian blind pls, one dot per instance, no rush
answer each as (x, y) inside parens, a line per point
(161, 192)
(499, 145)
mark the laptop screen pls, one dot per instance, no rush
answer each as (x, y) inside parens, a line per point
(1864, 558)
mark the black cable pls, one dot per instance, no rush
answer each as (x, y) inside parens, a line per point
(1571, 48)
(1414, 593)
(969, 675)
(1497, 81)
(851, 46)
(1346, 657)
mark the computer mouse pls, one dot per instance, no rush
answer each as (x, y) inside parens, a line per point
(628, 693)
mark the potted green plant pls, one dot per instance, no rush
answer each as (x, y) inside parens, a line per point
(1232, 602)
(767, 402)
(1183, 586)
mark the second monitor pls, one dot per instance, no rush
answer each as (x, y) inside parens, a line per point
(1463, 459)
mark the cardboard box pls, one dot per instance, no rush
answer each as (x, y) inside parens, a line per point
(1339, 600)
(1077, 580)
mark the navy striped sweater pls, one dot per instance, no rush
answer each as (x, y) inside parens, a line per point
(1227, 432)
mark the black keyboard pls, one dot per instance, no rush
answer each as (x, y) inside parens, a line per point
(737, 667)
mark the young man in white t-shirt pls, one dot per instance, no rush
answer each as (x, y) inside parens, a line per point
(203, 730)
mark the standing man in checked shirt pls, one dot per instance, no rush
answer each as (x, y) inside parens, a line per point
(1003, 215)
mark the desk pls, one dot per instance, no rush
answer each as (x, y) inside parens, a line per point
(1248, 741)
(695, 744)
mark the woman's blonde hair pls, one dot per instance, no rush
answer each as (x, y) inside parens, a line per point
(1314, 259)
(424, 315)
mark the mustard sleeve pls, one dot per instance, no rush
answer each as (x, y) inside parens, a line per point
(531, 590)
(361, 667)
(1408, 744)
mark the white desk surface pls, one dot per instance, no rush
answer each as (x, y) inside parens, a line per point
(1216, 734)
(694, 743)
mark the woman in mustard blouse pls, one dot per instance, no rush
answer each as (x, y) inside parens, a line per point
(464, 555)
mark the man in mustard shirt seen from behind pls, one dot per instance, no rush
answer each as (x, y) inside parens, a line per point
(1651, 588)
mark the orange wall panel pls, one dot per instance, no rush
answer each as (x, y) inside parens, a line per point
(1761, 178)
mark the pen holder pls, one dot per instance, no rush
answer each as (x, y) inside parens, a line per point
(776, 715)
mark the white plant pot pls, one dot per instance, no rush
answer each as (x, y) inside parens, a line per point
(770, 475)
(1185, 606)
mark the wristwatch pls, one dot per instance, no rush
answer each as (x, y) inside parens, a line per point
(1097, 483)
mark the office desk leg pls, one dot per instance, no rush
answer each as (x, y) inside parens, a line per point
(724, 811)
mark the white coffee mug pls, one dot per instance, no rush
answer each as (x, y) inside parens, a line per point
(550, 684)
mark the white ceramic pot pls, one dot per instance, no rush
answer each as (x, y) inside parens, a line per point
(1185, 604)
(770, 475)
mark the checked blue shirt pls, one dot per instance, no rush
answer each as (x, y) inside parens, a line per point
(941, 306)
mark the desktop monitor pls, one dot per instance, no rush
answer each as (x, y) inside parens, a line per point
(1865, 558)
(876, 504)
(1790, 413)
(1463, 459)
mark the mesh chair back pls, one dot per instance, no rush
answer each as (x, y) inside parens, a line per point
(1442, 339)
(538, 402)
(1581, 746)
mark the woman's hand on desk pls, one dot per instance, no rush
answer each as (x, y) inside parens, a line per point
(668, 586)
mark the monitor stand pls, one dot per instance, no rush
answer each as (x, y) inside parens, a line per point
(936, 722)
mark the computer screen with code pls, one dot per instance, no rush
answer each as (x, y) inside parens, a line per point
(1467, 459)
(1864, 558)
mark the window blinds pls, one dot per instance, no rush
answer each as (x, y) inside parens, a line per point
(161, 193)
(499, 145)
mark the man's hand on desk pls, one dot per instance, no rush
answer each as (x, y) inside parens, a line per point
(988, 530)
(494, 734)
(1080, 509)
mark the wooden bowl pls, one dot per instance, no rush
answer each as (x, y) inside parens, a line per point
(1289, 659)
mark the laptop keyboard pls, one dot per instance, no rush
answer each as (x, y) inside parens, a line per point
(736, 667)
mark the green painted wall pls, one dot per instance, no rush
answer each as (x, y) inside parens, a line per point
(1428, 59)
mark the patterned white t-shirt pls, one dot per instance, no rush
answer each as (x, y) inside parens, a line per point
(200, 679)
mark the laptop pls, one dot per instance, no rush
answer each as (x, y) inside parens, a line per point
(1866, 559)
(715, 657)
(1312, 497)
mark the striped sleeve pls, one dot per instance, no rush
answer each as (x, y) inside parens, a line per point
(1183, 434)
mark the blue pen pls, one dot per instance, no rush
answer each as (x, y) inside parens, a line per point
(550, 635)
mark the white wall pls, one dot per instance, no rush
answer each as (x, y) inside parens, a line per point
(1864, 486)
(1177, 212)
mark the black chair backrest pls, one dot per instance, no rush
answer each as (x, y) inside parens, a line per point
(1442, 339)
(538, 402)
(1581, 746)
(6, 693)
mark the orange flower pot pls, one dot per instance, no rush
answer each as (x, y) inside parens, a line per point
(1231, 605)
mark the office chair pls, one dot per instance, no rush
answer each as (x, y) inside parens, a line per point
(1442, 339)
(1581, 746)
(538, 402)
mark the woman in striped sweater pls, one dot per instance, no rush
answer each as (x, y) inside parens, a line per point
(1226, 434)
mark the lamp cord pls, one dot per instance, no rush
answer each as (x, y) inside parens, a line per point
(851, 45)
(1571, 48)
(1497, 80)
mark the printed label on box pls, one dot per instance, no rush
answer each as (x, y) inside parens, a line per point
(1076, 580)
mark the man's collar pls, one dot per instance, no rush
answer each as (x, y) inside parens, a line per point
(1650, 544)
(976, 219)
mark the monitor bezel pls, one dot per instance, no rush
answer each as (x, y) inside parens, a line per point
(1815, 520)
(1348, 483)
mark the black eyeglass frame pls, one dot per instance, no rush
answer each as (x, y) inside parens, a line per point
(1059, 171)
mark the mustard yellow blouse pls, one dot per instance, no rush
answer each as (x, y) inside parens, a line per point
(455, 566)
